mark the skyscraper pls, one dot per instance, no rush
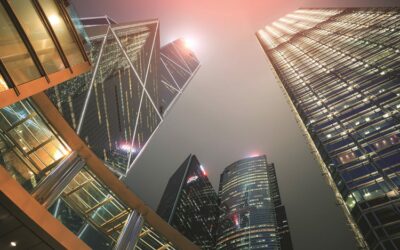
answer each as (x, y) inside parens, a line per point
(190, 203)
(114, 107)
(118, 106)
(178, 65)
(251, 214)
(339, 69)
(44, 164)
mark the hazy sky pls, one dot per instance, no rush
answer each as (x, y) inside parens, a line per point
(234, 108)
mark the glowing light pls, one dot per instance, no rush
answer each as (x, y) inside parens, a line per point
(127, 148)
(13, 243)
(203, 170)
(190, 43)
(192, 179)
(57, 154)
(236, 219)
(54, 19)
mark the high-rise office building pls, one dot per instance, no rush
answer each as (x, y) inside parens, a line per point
(190, 203)
(114, 107)
(339, 69)
(251, 214)
(178, 65)
(44, 163)
(118, 105)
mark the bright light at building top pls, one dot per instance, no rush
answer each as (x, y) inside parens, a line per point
(252, 155)
(203, 170)
(190, 43)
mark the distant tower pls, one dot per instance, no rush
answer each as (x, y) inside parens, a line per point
(251, 213)
(177, 67)
(190, 203)
(339, 69)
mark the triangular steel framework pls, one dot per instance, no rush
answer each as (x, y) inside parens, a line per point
(149, 92)
(179, 90)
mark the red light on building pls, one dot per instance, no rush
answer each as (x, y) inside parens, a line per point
(203, 170)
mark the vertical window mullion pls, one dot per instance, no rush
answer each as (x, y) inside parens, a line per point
(72, 29)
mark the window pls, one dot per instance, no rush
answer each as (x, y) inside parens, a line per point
(14, 54)
(28, 147)
(66, 39)
(38, 35)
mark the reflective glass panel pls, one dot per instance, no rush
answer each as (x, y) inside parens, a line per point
(96, 205)
(29, 148)
(14, 54)
(38, 35)
(64, 35)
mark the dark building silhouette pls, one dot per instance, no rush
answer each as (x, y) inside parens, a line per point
(339, 69)
(251, 213)
(190, 204)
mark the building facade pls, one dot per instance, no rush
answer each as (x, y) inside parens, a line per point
(190, 204)
(339, 69)
(177, 67)
(56, 190)
(118, 106)
(251, 214)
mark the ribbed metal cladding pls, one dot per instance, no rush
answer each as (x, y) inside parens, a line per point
(339, 69)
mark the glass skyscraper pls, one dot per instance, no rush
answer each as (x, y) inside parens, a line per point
(339, 69)
(178, 66)
(118, 105)
(251, 214)
(190, 203)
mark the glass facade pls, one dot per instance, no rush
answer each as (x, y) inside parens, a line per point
(29, 147)
(340, 70)
(30, 151)
(90, 210)
(190, 204)
(249, 200)
(117, 106)
(108, 106)
(178, 65)
(37, 40)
